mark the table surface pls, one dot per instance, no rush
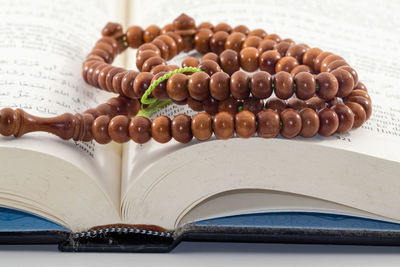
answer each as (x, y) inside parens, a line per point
(209, 254)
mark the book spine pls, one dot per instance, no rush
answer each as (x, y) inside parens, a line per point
(121, 230)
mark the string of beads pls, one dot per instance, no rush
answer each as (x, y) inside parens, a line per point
(314, 91)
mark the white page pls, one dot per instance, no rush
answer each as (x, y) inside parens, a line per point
(42, 47)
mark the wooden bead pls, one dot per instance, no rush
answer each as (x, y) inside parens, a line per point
(329, 122)
(210, 106)
(224, 125)
(161, 129)
(101, 79)
(152, 62)
(305, 85)
(276, 104)
(104, 46)
(268, 61)
(252, 41)
(184, 22)
(240, 85)
(296, 51)
(245, 124)
(160, 68)
(361, 86)
(345, 80)
(127, 84)
(352, 72)
(310, 55)
(177, 87)
(266, 45)
(249, 58)
(274, 37)
(291, 123)
(8, 122)
(124, 105)
(235, 41)
(180, 128)
(284, 82)
(148, 46)
(150, 33)
(219, 86)
(346, 118)
(134, 36)
(209, 66)
(359, 92)
(112, 29)
(142, 82)
(300, 68)
(309, 122)
(229, 105)
(268, 123)
(167, 28)
(202, 40)
(217, 42)
(205, 25)
(94, 75)
(223, 27)
(258, 32)
(118, 129)
(110, 41)
(198, 86)
(170, 42)
(190, 62)
(143, 56)
(160, 91)
(360, 115)
(178, 40)
(229, 61)
(328, 85)
(286, 64)
(164, 49)
(335, 65)
(210, 56)
(201, 126)
(107, 109)
(329, 59)
(139, 129)
(194, 104)
(261, 84)
(253, 104)
(318, 60)
(316, 103)
(117, 82)
(110, 77)
(282, 48)
(364, 102)
(241, 28)
(100, 129)
(296, 104)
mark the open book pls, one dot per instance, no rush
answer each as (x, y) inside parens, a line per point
(83, 185)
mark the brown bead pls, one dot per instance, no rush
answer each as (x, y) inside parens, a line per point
(188, 43)
(85, 68)
(107, 109)
(167, 28)
(205, 25)
(111, 41)
(229, 105)
(268, 123)
(346, 118)
(210, 56)
(201, 126)
(219, 86)
(160, 68)
(143, 56)
(184, 22)
(229, 61)
(296, 51)
(296, 104)
(217, 42)
(309, 122)
(180, 128)
(104, 46)
(245, 124)
(345, 80)
(110, 76)
(164, 49)
(253, 104)
(300, 68)
(134, 36)
(152, 62)
(101, 79)
(359, 92)
(273, 36)
(223, 27)
(286, 64)
(178, 40)
(117, 82)
(112, 29)
(94, 75)
(127, 84)
(249, 59)
(124, 105)
(328, 122)
(361, 86)
(198, 86)
(282, 48)
(161, 129)
(310, 55)
(235, 41)
(276, 104)
(209, 66)
(305, 85)
(170, 42)
(240, 85)
(261, 84)
(148, 46)
(284, 85)
(359, 114)
(100, 129)
(351, 71)
(332, 102)
(291, 123)
(258, 32)
(177, 87)
(202, 40)
(252, 41)
(266, 45)
(336, 64)
(329, 59)
(224, 125)
(318, 60)
(194, 104)
(150, 33)
(160, 91)
(210, 106)
(142, 82)
(268, 61)
(316, 103)
(364, 102)
(328, 85)
(118, 129)
(241, 28)
(139, 129)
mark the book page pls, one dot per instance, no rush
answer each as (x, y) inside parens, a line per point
(42, 47)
